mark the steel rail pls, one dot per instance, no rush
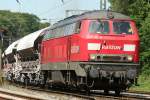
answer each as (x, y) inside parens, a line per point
(78, 95)
(92, 96)
(143, 96)
(96, 95)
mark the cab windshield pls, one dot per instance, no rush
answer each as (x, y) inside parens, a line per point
(122, 27)
(100, 27)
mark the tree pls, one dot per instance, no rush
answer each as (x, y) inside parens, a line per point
(140, 9)
(121, 5)
(19, 24)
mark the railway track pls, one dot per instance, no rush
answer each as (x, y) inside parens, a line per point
(126, 96)
(95, 95)
(137, 95)
(71, 94)
(79, 95)
(101, 96)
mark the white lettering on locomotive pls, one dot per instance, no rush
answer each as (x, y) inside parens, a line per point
(75, 49)
(129, 47)
(98, 46)
(110, 47)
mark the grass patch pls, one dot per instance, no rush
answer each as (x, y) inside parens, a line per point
(143, 84)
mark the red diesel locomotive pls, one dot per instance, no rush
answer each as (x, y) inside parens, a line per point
(96, 50)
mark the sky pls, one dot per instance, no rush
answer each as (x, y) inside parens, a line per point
(50, 10)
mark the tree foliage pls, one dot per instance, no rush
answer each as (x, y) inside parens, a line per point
(19, 24)
(140, 9)
(120, 5)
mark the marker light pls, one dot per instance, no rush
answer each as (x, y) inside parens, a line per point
(130, 58)
(92, 57)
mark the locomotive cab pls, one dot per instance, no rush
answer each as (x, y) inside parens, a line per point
(112, 41)
(110, 52)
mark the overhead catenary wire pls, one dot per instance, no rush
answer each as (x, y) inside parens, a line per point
(45, 12)
(18, 1)
(55, 8)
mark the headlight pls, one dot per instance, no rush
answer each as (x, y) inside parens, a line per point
(130, 58)
(92, 57)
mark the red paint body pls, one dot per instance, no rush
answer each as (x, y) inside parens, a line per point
(75, 47)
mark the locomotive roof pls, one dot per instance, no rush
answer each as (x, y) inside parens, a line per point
(97, 14)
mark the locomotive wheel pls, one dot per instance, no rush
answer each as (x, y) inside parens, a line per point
(106, 91)
(117, 92)
(26, 81)
(87, 90)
